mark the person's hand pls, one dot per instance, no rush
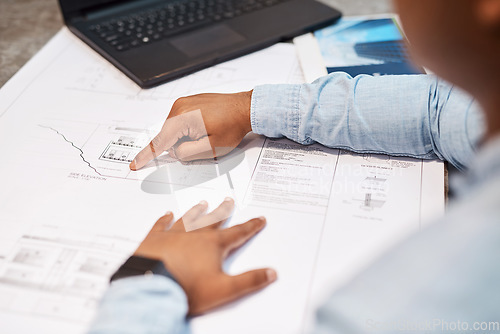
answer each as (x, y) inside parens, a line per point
(195, 258)
(200, 127)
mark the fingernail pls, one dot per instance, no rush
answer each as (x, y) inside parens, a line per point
(271, 275)
(203, 203)
(262, 218)
(133, 165)
(228, 199)
(168, 213)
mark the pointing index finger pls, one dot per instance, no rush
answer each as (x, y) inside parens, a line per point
(168, 136)
(147, 154)
(188, 124)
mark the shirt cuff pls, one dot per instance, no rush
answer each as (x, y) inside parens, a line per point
(275, 110)
(139, 304)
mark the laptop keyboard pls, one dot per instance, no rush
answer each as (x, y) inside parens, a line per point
(170, 19)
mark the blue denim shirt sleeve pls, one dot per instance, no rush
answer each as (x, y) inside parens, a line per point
(417, 116)
(142, 304)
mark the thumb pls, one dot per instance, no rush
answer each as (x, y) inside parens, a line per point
(195, 150)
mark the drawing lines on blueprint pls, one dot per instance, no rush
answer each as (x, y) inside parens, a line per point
(123, 150)
(72, 144)
(62, 271)
(108, 150)
(103, 80)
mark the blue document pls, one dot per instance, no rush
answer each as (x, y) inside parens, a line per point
(365, 46)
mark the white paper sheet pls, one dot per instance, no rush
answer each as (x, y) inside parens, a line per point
(71, 211)
(312, 63)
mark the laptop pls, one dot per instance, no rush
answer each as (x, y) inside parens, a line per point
(154, 41)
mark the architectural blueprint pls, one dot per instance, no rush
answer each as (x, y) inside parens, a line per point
(71, 211)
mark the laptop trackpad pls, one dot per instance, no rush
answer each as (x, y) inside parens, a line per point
(206, 40)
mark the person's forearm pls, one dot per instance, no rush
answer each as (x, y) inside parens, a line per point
(142, 304)
(416, 116)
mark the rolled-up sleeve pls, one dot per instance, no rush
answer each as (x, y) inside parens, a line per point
(419, 116)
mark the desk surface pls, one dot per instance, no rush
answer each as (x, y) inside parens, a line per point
(26, 25)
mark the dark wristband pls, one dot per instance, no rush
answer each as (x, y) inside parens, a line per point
(139, 266)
